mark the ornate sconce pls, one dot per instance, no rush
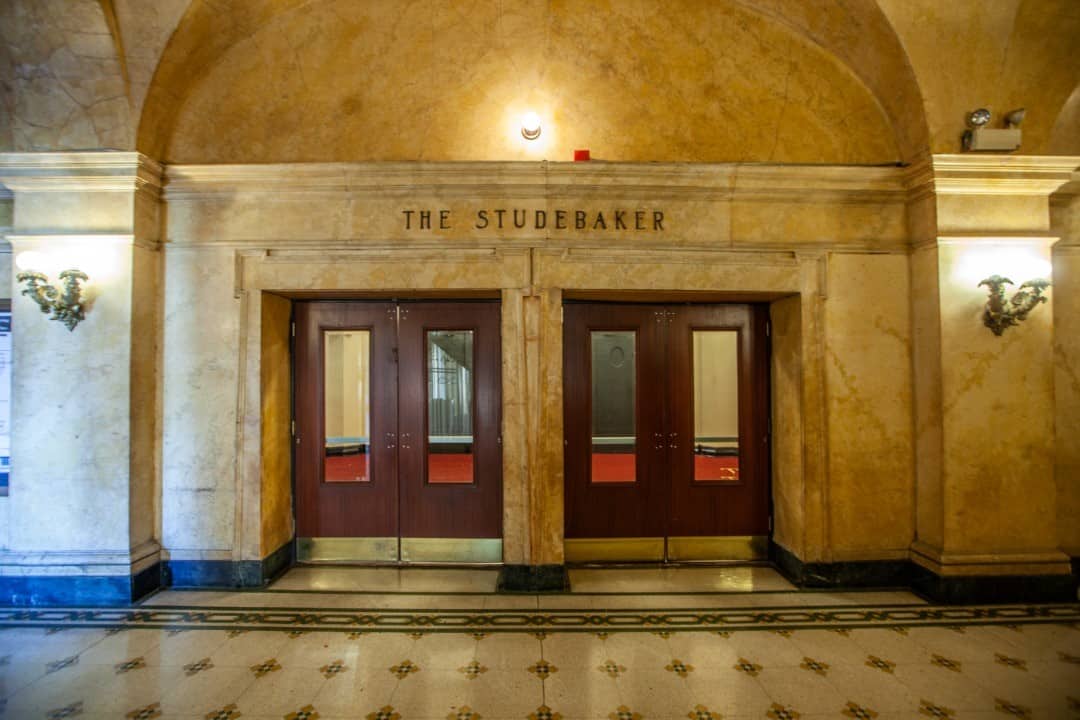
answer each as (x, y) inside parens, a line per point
(1001, 312)
(65, 303)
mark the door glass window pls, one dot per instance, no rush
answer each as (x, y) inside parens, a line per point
(347, 406)
(716, 405)
(614, 421)
(450, 407)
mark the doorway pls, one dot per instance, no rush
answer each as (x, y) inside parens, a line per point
(666, 432)
(397, 445)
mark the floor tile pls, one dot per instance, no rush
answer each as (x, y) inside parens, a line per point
(711, 579)
(943, 687)
(281, 692)
(808, 692)
(729, 692)
(207, 691)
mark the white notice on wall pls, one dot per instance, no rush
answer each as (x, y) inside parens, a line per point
(5, 401)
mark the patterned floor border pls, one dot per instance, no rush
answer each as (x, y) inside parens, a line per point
(705, 619)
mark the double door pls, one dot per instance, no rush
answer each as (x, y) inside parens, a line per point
(398, 449)
(666, 432)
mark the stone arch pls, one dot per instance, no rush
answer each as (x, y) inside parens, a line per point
(294, 80)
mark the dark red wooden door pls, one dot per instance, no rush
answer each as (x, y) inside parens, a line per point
(677, 446)
(450, 419)
(346, 484)
(719, 482)
(398, 410)
(616, 485)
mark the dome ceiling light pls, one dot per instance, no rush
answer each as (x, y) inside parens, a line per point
(530, 126)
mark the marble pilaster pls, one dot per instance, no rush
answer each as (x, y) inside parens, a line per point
(84, 485)
(985, 466)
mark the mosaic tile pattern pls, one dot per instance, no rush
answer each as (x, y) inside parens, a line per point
(838, 661)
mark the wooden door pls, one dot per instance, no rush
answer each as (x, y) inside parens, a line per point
(685, 475)
(398, 442)
(719, 456)
(346, 453)
(449, 385)
(614, 384)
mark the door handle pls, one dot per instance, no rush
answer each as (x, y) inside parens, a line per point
(672, 444)
(404, 441)
(659, 438)
(391, 441)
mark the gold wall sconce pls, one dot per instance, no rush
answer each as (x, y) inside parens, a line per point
(1002, 312)
(64, 301)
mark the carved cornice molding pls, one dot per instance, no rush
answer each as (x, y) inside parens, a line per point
(80, 172)
(976, 174)
(545, 180)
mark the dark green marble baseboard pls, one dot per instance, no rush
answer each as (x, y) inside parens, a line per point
(907, 574)
(533, 579)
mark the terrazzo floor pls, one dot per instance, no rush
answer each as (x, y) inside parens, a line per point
(697, 643)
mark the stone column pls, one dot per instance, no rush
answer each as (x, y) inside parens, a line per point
(84, 517)
(1065, 215)
(986, 493)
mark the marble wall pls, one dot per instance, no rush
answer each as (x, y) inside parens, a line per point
(275, 387)
(985, 424)
(870, 403)
(1066, 254)
(84, 402)
(341, 228)
(890, 399)
(201, 368)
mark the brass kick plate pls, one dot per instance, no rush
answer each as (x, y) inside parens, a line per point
(651, 549)
(385, 550)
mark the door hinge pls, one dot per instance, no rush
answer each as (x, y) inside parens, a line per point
(768, 328)
(292, 427)
(770, 524)
(293, 329)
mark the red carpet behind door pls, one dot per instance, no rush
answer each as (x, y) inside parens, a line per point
(619, 467)
(444, 468)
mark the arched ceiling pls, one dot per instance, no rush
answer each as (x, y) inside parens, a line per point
(781, 80)
(84, 74)
(62, 83)
(1003, 55)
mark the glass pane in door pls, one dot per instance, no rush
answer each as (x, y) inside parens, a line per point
(716, 405)
(614, 421)
(450, 407)
(347, 406)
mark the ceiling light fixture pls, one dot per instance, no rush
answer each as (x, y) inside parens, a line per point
(530, 126)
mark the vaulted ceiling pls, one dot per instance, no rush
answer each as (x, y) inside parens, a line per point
(842, 81)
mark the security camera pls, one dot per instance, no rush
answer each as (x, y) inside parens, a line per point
(1013, 119)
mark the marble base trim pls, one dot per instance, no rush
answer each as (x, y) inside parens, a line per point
(949, 589)
(848, 574)
(93, 590)
(229, 573)
(966, 589)
(533, 579)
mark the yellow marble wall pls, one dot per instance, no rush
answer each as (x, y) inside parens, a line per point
(275, 491)
(985, 405)
(999, 490)
(1066, 254)
(870, 403)
(787, 442)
